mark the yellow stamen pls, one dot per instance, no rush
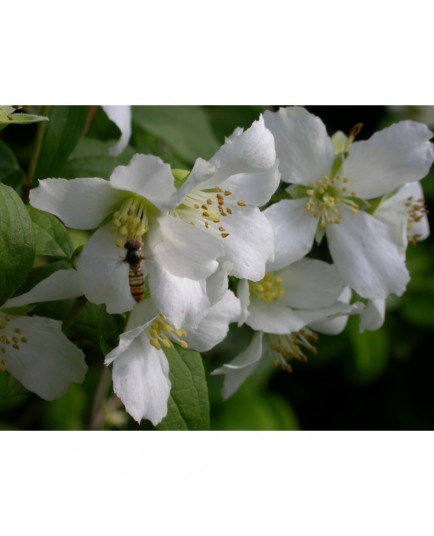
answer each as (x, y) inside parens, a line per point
(269, 288)
(325, 196)
(161, 333)
(292, 346)
(131, 221)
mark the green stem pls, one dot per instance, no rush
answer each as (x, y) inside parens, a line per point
(96, 421)
(35, 155)
(75, 309)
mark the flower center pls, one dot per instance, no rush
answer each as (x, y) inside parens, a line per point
(325, 196)
(268, 289)
(10, 339)
(161, 333)
(131, 221)
(206, 208)
(287, 347)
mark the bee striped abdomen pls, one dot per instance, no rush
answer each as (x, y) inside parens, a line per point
(135, 275)
(137, 282)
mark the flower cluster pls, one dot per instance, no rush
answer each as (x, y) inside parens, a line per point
(186, 253)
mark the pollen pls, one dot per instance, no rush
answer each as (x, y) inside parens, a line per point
(417, 210)
(162, 334)
(207, 209)
(269, 288)
(292, 346)
(325, 196)
(11, 338)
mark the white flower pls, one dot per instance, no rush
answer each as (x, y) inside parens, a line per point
(282, 309)
(135, 201)
(140, 367)
(121, 117)
(211, 220)
(406, 212)
(406, 216)
(222, 197)
(335, 194)
(34, 349)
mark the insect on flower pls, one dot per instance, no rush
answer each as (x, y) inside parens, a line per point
(135, 259)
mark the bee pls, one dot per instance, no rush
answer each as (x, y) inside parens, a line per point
(134, 258)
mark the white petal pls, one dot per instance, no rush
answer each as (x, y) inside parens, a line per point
(313, 317)
(274, 317)
(398, 154)
(79, 203)
(61, 285)
(103, 274)
(303, 147)
(310, 284)
(395, 216)
(141, 380)
(202, 171)
(47, 363)
(411, 189)
(125, 341)
(142, 315)
(335, 325)
(247, 166)
(294, 231)
(240, 368)
(372, 317)
(253, 188)
(147, 176)
(214, 327)
(183, 250)
(366, 256)
(181, 300)
(121, 117)
(217, 283)
(243, 293)
(250, 243)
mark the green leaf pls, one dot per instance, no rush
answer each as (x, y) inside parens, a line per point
(254, 409)
(9, 115)
(94, 323)
(146, 143)
(17, 249)
(91, 158)
(10, 388)
(370, 355)
(61, 135)
(67, 412)
(10, 171)
(185, 129)
(188, 402)
(101, 127)
(225, 119)
(51, 237)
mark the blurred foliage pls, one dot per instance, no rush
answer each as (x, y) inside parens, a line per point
(376, 380)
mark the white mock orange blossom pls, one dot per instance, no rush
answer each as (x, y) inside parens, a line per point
(336, 193)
